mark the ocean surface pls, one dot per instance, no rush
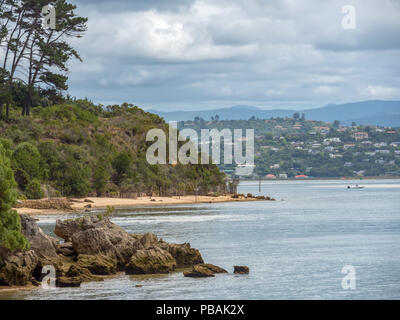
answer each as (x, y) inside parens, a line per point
(296, 247)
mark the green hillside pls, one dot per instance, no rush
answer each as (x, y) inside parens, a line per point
(79, 149)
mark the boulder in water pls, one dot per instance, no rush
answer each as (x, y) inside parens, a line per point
(199, 271)
(241, 270)
(151, 261)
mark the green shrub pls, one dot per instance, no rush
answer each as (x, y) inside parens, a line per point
(27, 158)
(34, 190)
(122, 164)
(10, 223)
(100, 179)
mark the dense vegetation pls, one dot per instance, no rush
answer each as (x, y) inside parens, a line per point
(296, 146)
(79, 149)
(10, 225)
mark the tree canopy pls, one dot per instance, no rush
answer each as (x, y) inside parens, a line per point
(36, 56)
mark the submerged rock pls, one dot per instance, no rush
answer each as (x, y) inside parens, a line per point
(213, 268)
(241, 270)
(151, 261)
(16, 268)
(200, 271)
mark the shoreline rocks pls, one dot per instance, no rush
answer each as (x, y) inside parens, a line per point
(16, 268)
(94, 248)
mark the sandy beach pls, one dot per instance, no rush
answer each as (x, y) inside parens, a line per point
(79, 205)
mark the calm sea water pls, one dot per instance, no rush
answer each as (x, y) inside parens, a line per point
(295, 247)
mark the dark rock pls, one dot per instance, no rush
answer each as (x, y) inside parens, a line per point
(151, 261)
(88, 206)
(35, 282)
(64, 282)
(16, 268)
(88, 200)
(241, 270)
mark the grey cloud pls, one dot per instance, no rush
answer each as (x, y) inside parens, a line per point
(203, 53)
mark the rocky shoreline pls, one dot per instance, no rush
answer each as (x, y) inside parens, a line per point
(93, 249)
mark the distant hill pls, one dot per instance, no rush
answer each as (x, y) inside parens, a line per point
(374, 112)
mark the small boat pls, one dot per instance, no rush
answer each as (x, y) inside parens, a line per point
(355, 187)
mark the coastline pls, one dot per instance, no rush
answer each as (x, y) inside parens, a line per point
(79, 205)
(328, 178)
(11, 289)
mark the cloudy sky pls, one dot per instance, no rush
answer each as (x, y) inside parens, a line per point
(198, 54)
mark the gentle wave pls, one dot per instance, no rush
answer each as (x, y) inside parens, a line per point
(124, 221)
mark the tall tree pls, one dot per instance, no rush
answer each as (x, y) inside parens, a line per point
(34, 54)
(48, 51)
(14, 36)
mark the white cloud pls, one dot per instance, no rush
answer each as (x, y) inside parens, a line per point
(382, 92)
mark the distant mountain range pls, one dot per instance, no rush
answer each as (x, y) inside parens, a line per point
(376, 112)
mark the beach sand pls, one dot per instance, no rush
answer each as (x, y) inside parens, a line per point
(7, 289)
(101, 203)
